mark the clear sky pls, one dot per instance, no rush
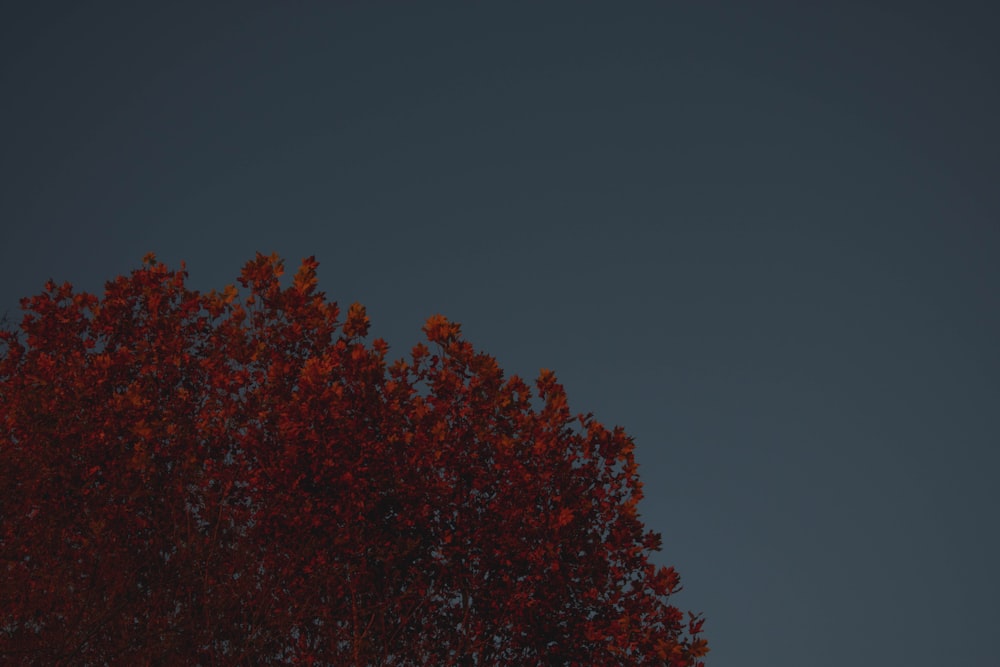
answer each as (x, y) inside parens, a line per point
(763, 237)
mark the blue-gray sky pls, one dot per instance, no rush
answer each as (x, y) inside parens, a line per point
(763, 237)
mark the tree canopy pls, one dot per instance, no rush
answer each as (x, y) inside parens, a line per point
(242, 477)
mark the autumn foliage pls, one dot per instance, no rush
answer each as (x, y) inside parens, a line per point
(239, 478)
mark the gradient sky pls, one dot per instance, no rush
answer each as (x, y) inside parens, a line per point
(762, 237)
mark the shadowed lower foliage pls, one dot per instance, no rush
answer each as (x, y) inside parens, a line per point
(238, 478)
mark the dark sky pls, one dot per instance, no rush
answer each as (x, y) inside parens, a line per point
(763, 237)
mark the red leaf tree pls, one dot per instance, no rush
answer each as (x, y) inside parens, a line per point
(238, 478)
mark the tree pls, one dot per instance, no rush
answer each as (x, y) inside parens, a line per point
(237, 477)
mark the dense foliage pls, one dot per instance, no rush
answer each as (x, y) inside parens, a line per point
(238, 478)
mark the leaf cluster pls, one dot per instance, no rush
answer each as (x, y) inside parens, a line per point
(240, 477)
